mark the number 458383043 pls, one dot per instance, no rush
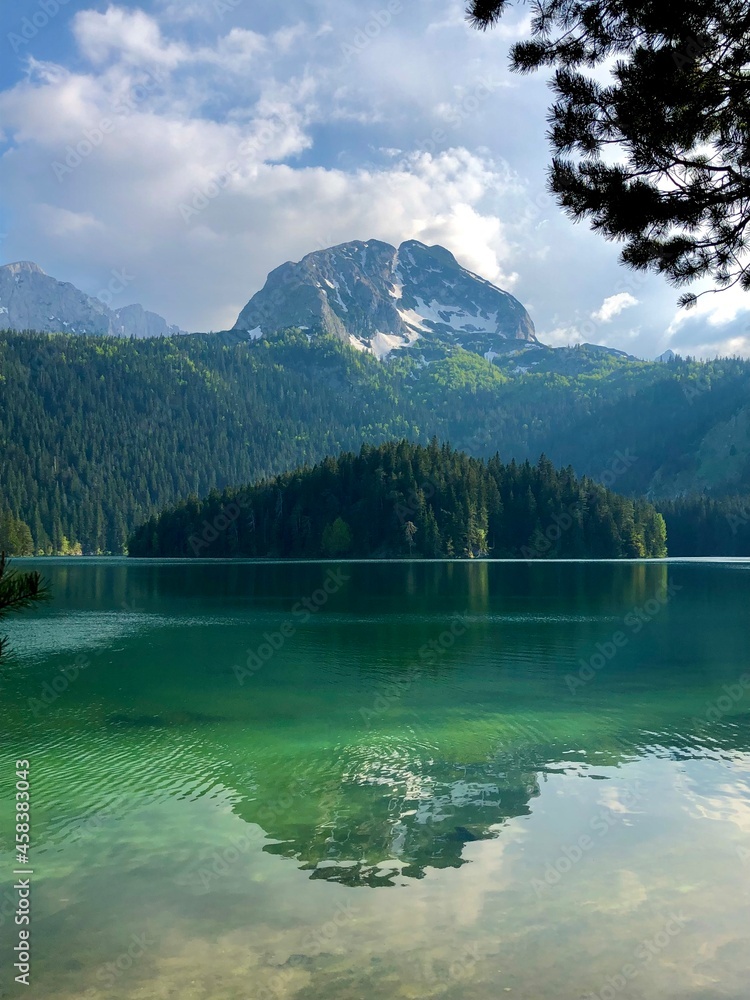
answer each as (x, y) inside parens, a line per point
(23, 812)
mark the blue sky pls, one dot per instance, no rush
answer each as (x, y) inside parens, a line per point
(192, 147)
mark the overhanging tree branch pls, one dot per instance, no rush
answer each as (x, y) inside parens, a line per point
(18, 591)
(677, 110)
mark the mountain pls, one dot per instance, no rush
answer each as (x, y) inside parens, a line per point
(380, 299)
(135, 321)
(402, 499)
(32, 300)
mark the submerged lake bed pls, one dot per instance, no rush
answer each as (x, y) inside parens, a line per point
(375, 780)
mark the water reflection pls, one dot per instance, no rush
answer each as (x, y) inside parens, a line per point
(121, 584)
(383, 824)
(234, 822)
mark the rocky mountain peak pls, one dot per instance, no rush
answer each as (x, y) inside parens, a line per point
(24, 267)
(32, 300)
(380, 298)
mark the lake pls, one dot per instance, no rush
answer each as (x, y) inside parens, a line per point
(351, 780)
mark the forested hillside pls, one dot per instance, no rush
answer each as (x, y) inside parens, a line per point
(402, 499)
(97, 434)
(686, 423)
(708, 526)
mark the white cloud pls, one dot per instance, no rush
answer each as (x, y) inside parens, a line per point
(285, 38)
(719, 324)
(60, 222)
(312, 131)
(133, 38)
(248, 209)
(613, 306)
(130, 34)
(192, 10)
(562, 336)
(715, 310)
(722, 347)
(123, 201)
(235, 51)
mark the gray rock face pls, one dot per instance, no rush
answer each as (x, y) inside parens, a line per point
(32, 300)
(380, 299)
(135, 321)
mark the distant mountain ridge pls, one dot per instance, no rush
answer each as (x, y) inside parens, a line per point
(380, 298)
(32, 300)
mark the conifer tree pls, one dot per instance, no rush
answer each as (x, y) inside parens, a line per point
(658, 155)
(18, 591)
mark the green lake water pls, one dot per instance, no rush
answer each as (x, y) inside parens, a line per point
(459, 780)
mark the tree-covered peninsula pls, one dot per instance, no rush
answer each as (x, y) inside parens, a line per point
(403, 499)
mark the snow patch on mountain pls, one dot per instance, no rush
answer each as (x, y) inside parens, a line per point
(385, 299)
(412, 318)
(381, 344)
(469, 319)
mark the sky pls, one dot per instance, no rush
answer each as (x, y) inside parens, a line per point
(173, 153)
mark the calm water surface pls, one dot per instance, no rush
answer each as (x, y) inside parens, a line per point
(445, 780)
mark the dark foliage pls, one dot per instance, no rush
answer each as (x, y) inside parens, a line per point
(98, 434)
(708, 526)
(402, 499)
(18, 591)
(659, 156)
